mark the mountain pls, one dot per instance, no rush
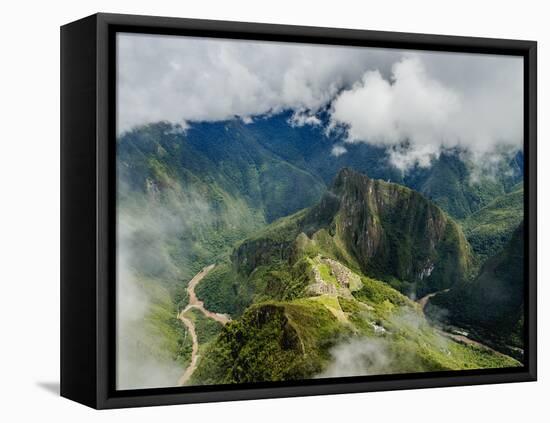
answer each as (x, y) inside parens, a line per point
(379, 229)
(452, 181)
(213, 185)
(318, 301)
(253, 198)
(183, 200)
(386, 230)
(278, 168)
(310, 147)
(489, 229)
(220, 155)
(339, 323)
(492, 305)
(455, 185)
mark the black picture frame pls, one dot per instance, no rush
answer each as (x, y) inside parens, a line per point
(88, 208)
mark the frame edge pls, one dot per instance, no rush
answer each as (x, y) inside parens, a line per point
(78, 216)
(107, 21)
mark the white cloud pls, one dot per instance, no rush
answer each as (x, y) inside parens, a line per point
(417, 115)
(361, 357)
(148, 227)
(415, 103)
(180, 79)
(301, 118)
(338, 150)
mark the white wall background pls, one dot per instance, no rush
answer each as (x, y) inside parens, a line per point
(29, 233)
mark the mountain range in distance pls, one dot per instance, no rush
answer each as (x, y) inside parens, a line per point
(327, 265)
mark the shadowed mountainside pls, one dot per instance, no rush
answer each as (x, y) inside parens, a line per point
(492, 304)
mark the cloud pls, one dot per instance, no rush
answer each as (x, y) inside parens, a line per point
(398, 348)
(301, 118)
(149, 225)
(360, 357)
(417, 115)
(416, 104)
(180, 79)
(338, 150)
(138, 366)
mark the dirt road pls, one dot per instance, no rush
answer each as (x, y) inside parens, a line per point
(195, 352)
(194, 302)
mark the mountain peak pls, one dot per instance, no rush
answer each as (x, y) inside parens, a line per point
(387, 230)
(346, 175)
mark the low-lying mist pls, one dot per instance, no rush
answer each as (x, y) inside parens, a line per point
(360, 357)
(397, 350)
(154, 239)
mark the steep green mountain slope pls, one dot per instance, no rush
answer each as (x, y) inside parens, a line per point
(309, 147)
(489, 229)
(491, 306)
(317, 309)
(386, 230)
(330, 321)
(186, 197)
(224, 160)
(182, 202)
(457, 187)
(262, 161)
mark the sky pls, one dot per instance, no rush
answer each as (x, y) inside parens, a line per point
(415, 103)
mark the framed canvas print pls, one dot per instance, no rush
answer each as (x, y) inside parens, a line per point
(255, 211)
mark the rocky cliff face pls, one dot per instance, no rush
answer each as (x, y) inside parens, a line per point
(393, 231)
(254, 253)
(389, 231)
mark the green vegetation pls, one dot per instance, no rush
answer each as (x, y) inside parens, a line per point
(378, 292)
(489, 229)
(492, 305)
(326, 274)
(294, 333)
(149, 334)
(419, 252)
(220, 290)
(309, 274)
(225, 290)
(271, 342)
(183, 201)
(453, 183)
(206, 328)
(299, 339)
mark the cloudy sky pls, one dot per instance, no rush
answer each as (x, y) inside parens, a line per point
(416, 103)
